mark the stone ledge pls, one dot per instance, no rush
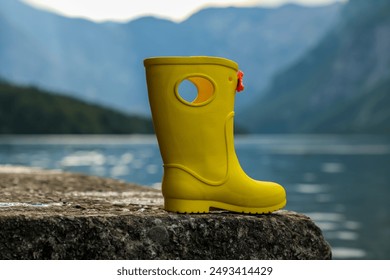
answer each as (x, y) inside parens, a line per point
(58, 215)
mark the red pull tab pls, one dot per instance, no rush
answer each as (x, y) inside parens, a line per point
(240, 85)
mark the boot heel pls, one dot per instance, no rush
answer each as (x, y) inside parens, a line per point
(186, 206)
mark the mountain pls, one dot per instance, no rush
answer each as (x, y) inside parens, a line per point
(29, 110)
(341, 86)
(102, 62)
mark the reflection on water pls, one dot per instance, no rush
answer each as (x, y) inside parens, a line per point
(341, 182)
(130, 158)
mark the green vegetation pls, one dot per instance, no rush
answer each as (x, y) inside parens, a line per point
(28, 110)
(369, 113)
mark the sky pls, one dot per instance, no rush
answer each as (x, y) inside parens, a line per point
(125, 10)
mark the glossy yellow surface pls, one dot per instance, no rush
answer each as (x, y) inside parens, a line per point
(201, 169)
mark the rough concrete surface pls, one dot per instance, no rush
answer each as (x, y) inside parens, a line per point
(56, 215)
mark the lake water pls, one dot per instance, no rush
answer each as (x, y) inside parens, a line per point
(341, 182)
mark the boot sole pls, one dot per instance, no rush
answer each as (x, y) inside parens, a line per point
(184, 206)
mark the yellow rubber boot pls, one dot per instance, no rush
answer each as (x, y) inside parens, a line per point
(201, 169)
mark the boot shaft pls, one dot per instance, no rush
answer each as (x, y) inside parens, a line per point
(194, 133)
